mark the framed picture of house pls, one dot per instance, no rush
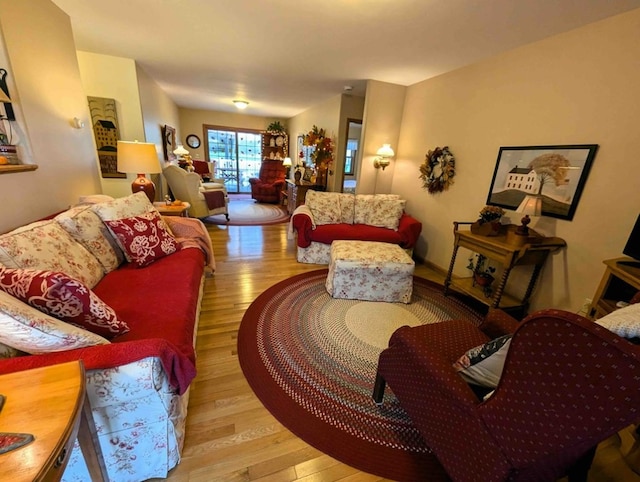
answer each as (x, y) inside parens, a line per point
(169, 143)
(554, 174)
(104, 121)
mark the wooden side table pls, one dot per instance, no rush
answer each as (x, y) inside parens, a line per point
(620, 282)
(171, 210)
(297, 191)
(507, 255)
(50, 404)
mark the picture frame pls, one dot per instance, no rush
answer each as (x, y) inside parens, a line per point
(106, 131)
(308, 173)
(169, 143)
(557, 174)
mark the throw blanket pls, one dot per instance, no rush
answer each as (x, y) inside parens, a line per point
(192, 233)
(302, 209)
(215, 199)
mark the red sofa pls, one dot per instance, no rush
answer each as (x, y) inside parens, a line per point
(327, 217)
(137, 382)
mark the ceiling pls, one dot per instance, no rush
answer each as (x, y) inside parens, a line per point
(284, 56)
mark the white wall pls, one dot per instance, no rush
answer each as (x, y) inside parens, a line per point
(43, 68)
(578, 87)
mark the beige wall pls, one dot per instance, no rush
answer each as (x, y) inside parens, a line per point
(578, 87)
(42, 66)
(116, 78)
(383, 108)
(325, 115)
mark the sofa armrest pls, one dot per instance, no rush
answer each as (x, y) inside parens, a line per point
(498, 323)
(409, 229)
(303, 223)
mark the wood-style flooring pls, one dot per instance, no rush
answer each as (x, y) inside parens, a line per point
(230, 436)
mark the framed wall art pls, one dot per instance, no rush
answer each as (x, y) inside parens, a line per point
(557, 174)
(169, 143)
(104, 121)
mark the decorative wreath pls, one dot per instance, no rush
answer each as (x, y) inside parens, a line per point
(438, 170)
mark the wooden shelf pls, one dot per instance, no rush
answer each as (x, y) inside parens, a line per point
(11, 168)
(465, 285)
(619, 283)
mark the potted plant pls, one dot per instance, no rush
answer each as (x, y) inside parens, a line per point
(489, 222)
(482, 271)
(275, 128)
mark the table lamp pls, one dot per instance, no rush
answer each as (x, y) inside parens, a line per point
(530, 205)
(139, 158)
(287, 163)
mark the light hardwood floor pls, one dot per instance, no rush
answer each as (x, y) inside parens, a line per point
(230, 435)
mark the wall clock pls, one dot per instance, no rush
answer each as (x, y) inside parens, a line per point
(193, 141)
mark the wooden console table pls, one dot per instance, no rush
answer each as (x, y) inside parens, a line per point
(50, 404)
(297, 191)
(508, 256)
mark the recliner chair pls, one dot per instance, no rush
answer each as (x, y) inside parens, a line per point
(567, 384)
(266, 188)
(188, 186)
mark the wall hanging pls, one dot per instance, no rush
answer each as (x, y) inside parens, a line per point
(104, 120)
(438, 170)
(554, 174)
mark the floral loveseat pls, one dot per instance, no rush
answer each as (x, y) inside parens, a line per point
(329, 216)
(117, 286)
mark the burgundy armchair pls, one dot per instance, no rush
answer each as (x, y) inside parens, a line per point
(566, 385)
(266, 188)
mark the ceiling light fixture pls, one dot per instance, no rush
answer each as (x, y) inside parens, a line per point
(241, 104)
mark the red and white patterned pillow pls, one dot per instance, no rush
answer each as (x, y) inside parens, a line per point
(143, 238)
(29, 330)
(58, 295)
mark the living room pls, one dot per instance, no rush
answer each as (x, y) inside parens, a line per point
(573, 88)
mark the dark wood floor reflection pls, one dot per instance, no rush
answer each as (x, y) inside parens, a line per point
(230, 436)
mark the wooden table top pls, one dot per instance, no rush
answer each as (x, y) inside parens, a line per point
(45, 402)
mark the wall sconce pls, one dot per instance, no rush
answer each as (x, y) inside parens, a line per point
(241, 104)
(385, 153)
(139, 158)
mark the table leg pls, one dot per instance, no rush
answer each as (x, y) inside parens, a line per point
(90, 446)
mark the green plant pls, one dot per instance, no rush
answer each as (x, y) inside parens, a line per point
(479, 265)
(275, 127)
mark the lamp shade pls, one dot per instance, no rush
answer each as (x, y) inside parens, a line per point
(180, 150)
(138, 157)
(287, 162)
(531, 205)
(385, 151)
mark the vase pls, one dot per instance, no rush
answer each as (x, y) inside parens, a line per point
(483, 279)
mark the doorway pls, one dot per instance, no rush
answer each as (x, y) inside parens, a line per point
(354, 131)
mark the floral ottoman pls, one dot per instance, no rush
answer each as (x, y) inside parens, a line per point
(371, 271)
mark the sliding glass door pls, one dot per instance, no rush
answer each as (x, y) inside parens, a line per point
(236, 155)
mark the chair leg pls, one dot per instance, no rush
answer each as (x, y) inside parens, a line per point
(378, 389)
(579, 471)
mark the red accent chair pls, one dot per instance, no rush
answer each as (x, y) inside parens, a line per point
(266, 188)
(567, 384)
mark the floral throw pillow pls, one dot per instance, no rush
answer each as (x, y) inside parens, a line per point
(144, 238)
(31, 331)
(62, 297)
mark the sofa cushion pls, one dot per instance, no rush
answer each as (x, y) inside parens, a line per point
(324, 206)
(364, 206)
(45, 245)
(328, 233)
(86, 227)
(483, 364)
(386, 213)
(27, 329)
(62, 297)
(144, 238)
(124, 207)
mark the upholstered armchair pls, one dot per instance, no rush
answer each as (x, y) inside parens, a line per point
(566, 384)
(206, 199)
(270, 182)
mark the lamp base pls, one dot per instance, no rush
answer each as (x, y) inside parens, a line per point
(145, 185)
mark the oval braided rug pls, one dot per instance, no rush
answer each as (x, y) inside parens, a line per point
(312, 359)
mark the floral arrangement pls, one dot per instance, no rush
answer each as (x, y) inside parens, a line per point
(491, 213)
(438, 170)
(323, 152)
